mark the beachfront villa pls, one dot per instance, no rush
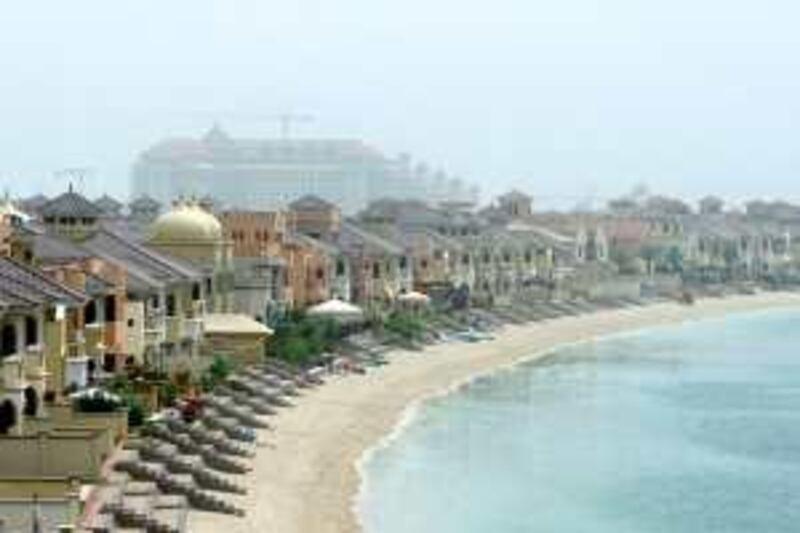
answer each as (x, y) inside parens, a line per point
(47, 451)
(378, 268)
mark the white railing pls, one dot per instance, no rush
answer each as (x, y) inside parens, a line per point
(193, 329)
(12, 372)
(154, 330)
(35, 363)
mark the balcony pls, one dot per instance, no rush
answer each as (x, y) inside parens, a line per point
(154, 331)
(193, 329)
(174, 329)
(35, 362)
(198, 308)
(95, 339)
(12, 372)
(77, 371)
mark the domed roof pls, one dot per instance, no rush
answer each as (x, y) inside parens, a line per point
(186, 221)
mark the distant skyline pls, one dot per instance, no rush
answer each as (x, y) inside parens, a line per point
(566, 100)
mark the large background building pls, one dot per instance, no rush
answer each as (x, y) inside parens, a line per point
(271, 173)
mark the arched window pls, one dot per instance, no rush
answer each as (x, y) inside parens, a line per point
(110, 305)
(90, 313)
(8, 340)
(196, 292)
(170, 305)
(31, 405)
(8, 416)
(31, 331)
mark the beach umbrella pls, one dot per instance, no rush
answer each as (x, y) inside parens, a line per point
(337, 310)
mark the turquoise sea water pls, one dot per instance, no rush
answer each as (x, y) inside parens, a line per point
(692, 428)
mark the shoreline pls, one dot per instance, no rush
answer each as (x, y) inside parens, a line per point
(309, 474)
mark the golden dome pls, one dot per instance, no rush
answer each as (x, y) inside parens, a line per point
(186, 221)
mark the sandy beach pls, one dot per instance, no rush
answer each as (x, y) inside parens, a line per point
(305, 476)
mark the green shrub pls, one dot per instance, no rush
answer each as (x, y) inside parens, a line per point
(404, 326)
(300, 340)
(97, 401)
(167, 394)
(136, 412)
(220, 368)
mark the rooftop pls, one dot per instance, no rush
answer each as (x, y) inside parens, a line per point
(70, 204)
(23, 286)
(311, 201)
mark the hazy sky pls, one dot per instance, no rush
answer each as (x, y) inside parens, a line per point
(563, 98)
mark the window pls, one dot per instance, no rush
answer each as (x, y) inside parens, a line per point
(31, 401)
(8, 340)
(171, 305)
(209, 286)
(320, 273)
(376, 270)
(196, 292)
(90, 313)
(31, 331)
(340, 268)
(528, 256)
(423, 264)
(111, 308)
(131, 322)
(403, 263)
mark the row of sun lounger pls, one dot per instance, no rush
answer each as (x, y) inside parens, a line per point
(195, 464)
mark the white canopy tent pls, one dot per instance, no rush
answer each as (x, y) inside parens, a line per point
(338, 310)
(414, 297)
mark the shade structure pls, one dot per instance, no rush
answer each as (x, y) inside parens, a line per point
(414, 297)
(338, 310)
